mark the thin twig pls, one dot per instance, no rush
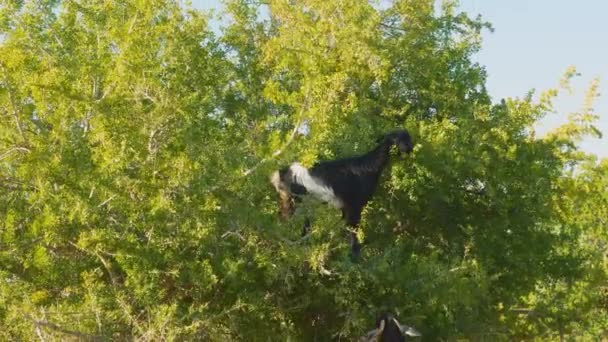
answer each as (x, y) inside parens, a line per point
(525, 311)
(106, 201)
(233, 233)
(275, 154)
(289, 141)
(133, 23)
(101, 259)
(106, 92)
(58, 41)
(39, 333)
(108, 268)
(55, 327)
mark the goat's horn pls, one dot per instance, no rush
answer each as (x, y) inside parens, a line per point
(381, 328)
(407, 330)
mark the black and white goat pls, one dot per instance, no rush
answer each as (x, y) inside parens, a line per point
(388, 329)
(347, 184)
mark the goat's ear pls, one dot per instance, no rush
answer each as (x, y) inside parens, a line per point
(406, 329)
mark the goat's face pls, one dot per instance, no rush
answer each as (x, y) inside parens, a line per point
(389, 330)
(401, 138)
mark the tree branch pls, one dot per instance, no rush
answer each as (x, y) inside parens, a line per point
(14, 149)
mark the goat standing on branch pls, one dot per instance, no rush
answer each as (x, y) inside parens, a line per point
(347, 184)
(388, 329)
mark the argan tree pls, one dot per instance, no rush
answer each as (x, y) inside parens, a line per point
(137, 139)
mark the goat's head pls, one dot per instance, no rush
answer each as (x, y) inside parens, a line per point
(400, 138)
(388, 329)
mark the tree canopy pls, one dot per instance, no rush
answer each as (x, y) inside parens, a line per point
(137, 139)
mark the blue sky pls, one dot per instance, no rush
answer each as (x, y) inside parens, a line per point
(533, 43)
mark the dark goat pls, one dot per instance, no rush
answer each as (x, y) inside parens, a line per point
(388, 329)
(348, 184)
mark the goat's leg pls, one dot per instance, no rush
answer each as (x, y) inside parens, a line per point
(355, 245)
(306, 227)
(353, 217)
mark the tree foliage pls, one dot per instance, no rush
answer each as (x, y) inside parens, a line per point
(135, 149)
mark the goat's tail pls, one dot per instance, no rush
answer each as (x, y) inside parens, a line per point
(286, 202)
(275, 179)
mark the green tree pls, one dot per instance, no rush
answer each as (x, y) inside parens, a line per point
(135, 150)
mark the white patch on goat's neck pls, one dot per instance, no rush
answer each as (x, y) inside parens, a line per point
(316, 186)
